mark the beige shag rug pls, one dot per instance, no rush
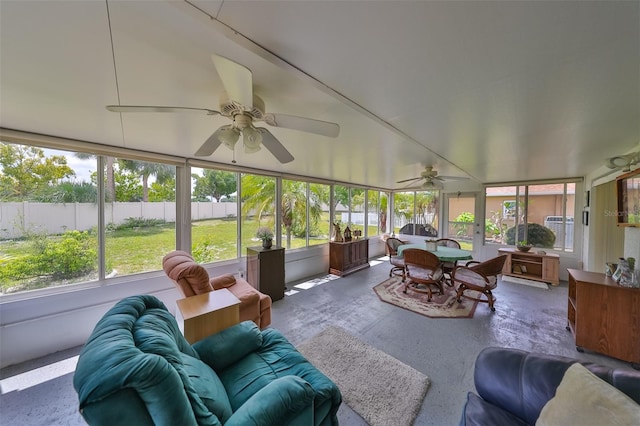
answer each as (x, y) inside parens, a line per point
(381, 389)
(441, 306)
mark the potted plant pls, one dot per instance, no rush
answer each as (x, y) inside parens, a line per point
(523, 246)
(265, 235)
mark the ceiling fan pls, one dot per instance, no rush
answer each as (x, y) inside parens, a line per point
(431, 179)
(243, 107)
(623, 162)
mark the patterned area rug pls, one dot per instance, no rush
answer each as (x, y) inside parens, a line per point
(441, 306)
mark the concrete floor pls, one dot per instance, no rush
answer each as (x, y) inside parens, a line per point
(526, 317)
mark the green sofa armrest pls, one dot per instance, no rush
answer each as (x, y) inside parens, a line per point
(281, 402)
(230, 345)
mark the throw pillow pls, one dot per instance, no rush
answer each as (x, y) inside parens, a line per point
(582, 398)
(223, 281)
(208, 387)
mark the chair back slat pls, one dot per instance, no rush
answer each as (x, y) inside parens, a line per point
(448, 242)
(490, 267)
(393, 244)
(421, 258)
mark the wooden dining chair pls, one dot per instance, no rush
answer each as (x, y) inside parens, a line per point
(397, 262)
(478, 276)
(424, 272)
(448, 267)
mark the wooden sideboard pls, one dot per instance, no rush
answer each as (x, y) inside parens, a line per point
(603, 316)
(531, 265)
(348, 257)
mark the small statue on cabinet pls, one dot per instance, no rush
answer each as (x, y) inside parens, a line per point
(347, 234)
(337, 237)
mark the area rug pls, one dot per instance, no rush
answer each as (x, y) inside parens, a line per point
(381, 389)
(441, 306)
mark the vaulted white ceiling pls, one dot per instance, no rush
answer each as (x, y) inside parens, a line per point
(495, 91)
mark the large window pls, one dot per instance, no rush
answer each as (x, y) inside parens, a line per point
(541, 215)
(214, 215)
(50, 211)
(416, 213)
(319, 223)
(48, 218)
(258, 201)
(140, 222)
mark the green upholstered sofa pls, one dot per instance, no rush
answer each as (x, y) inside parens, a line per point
(137, 369)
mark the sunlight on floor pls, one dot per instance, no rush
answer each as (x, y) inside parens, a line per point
(316, 282)
(39, 375)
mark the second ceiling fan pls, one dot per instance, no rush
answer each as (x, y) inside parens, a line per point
(243, 107)
(431, 179)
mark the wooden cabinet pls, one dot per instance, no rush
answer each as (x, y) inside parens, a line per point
(348, 257)
(265, 270)
(531, 265)
(603, 316)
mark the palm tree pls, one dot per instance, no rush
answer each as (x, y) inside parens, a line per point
(162, 173)
(110, 187)
(258, 196)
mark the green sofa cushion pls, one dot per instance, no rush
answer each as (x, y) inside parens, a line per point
(276, 358)
(208, 387)
(230, 345)
(281, 402)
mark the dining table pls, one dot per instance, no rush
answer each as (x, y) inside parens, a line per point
(445, 254)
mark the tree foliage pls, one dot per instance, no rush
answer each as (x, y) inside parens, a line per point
(27, 172)
(213, 185)
(144, 170)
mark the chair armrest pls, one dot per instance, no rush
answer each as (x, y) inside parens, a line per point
(279, 403)
(230, 345)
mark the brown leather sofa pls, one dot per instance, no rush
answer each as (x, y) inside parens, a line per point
(192, 278)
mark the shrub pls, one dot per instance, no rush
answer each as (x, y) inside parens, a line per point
(139, 222)
(71, 255)
(537, 235)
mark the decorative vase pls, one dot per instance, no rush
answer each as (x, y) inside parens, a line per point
(624, 274)
(267, 243)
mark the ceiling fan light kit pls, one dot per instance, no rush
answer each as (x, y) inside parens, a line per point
(623, 162)
(239, 103)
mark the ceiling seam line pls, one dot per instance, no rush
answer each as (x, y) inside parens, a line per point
(115, 68)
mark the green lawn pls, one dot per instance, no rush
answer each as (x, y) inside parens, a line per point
(136, 250)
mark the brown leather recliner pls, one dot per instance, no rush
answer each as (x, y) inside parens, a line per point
(192, 278)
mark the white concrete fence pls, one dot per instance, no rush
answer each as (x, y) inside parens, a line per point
(21, 217)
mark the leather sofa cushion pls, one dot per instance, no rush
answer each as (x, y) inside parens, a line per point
(479, 412)
(583, 398)
(223, 281)
(208, 387)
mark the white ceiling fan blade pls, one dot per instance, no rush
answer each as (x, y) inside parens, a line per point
(151, 108)
(274, 146)
(409, 180)
(211, 144)
(324, 128)
(236, 79)
(451, 178)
